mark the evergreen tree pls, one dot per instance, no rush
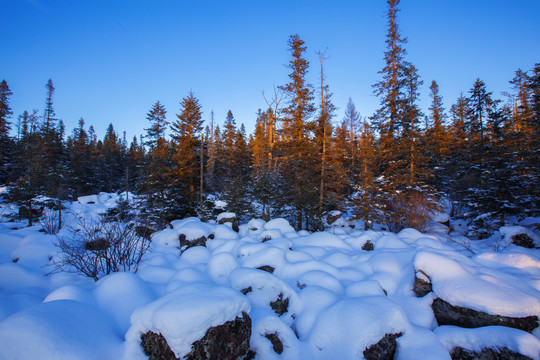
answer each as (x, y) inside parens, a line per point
(299, 163)
(186, 155)
(6, 145)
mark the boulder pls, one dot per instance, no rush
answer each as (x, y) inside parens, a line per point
(229, 341)
(332, 217)
(228, 218)
(459, 353)
(277, 344)
(523, 240)
(422, 284)
(267, 268)
(368, 246)
(383, 349)
(447, 314)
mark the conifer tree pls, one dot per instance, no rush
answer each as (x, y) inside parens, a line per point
(299, 163)
(186, 145)
(156, 177)
(6, 145)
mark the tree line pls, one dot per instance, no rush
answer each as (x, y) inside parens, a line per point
(391, 168)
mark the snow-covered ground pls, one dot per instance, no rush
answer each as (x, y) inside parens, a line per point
(341, 298)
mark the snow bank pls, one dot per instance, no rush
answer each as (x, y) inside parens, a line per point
(471, 287)
(347, 328)
(120, 294)
(61, 329)
(489, 337)
(183, 317)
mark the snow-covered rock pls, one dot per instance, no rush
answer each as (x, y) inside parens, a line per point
(184, 316)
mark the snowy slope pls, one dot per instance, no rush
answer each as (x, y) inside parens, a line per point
(341, 299)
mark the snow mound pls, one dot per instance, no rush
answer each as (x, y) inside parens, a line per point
(183, 317)
(120, 294)
(323, 240)
(61, 329)
(475, 288)
(350, 326)
(489, 337)
(279, 224)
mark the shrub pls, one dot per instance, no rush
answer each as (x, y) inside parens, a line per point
(99, 248)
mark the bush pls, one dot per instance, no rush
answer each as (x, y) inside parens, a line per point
(99, 248)
(51, 222)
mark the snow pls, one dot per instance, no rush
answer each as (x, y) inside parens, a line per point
(348, 327)
(183, 316)
(489, 337)
(461, 283)
(341, 299)
(61, 329)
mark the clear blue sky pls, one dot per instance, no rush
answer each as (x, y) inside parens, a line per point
(111, 60)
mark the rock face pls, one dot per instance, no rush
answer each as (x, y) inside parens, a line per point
(229, 341)
(459, 353)
(447, 314)
(384, 349)
(422, 284)
(201, 241)
(156, 347)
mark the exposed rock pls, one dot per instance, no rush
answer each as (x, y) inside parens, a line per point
(97, 245)
(246, 290)
(266, 238)
(447, 314)
(229, 218)
(332, 217)
(384, 349)
(229, 341)
(156, 347)
(422, 284)
(368, 246)
(267, 268)
(280, 305)
(201, 241)
(459, 353)
(144, 232)
(523, 240)
(277, 345)
(211, 236)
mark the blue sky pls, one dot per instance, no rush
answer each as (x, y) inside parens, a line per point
(111, 60)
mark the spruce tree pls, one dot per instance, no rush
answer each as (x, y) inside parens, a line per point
(186, 145)
(6, 144)
(298, 162)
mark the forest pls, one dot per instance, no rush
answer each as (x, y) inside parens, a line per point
(476, 159)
